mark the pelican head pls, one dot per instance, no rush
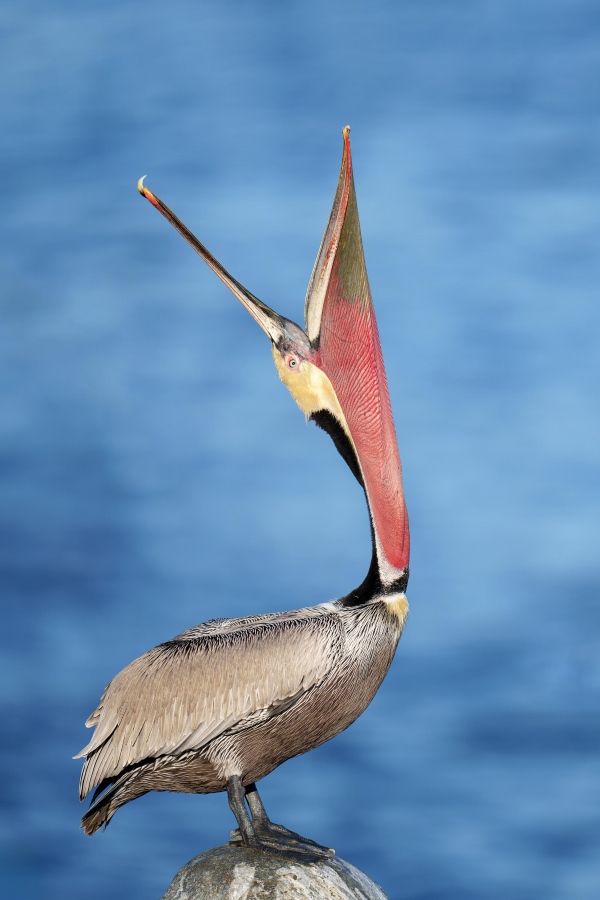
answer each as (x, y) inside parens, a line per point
(334, 369)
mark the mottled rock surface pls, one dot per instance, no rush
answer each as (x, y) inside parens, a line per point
(239, 873)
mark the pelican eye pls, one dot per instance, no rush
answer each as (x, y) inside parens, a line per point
(292, 362)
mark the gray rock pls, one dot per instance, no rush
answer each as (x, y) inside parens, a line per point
(240, 873)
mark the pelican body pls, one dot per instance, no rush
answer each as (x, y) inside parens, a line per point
(223, 704)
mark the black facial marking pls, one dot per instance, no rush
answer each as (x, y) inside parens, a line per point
(327, 421)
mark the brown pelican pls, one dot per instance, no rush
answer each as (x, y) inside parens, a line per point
(220, 706)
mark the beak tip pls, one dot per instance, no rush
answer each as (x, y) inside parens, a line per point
(346, 137)
(140, 185)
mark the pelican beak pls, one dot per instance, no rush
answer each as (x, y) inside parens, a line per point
(271, 322)
(341, 383)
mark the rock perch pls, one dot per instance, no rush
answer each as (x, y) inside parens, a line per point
(241, 873)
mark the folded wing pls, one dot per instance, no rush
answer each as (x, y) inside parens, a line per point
(184, 693)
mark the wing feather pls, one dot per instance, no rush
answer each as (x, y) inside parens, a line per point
(184, 693)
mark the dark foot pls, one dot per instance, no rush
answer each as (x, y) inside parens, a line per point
(277, 838)
(309, 852)
(271, 833)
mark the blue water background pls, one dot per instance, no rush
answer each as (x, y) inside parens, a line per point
(154, 472)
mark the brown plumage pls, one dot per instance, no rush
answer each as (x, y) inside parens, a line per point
(236, 697)
(220, 706)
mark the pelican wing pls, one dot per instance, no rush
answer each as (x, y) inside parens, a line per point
(208, 680)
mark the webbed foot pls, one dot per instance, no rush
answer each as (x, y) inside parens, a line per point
(262, 834)
(276, 838)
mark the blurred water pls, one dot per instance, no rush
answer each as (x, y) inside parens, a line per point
(154, 473)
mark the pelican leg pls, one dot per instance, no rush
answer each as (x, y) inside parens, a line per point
(259, 813)
(235, 796)
(265, 829)
(260, 832)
